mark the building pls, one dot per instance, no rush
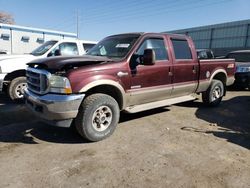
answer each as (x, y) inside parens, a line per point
(221, 38)
(16, 39)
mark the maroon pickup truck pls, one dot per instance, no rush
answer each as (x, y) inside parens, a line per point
(127, 72)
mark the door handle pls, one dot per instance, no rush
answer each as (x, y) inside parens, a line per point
(121, 74)
(169, 72)
(194, 69)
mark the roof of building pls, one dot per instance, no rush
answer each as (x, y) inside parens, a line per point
(32, 29)
(221, 25)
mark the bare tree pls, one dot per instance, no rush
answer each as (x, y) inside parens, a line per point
(6, 18)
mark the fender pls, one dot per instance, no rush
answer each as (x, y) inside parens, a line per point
(216, 72)
(203, 86)
(106, 82)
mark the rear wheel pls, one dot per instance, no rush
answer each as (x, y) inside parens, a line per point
(98, 117)
(16, 88)
(214, 93)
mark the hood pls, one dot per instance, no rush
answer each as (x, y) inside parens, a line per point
(64, 62)
(3, 57)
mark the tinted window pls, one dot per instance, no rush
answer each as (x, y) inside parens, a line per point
(181, 49)
(210, 55)
(87, 46)
(157, 45)
(240, 57)
(202, 55)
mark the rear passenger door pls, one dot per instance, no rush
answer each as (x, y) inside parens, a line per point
(185, 68)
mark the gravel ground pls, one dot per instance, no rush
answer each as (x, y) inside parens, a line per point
(184, 145)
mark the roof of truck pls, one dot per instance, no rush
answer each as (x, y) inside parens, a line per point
(143, 33)
(74, 40)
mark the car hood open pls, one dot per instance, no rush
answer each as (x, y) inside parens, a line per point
(58, 63)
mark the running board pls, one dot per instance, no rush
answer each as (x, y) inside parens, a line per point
(157, 104)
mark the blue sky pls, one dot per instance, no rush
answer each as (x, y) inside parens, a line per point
(100, 18)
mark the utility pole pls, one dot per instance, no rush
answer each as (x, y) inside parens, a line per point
(77, 24)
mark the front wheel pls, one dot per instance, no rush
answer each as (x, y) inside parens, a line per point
(98, 117)
(214, 93)
(16, 88)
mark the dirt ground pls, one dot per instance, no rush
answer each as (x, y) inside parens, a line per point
(184, 145)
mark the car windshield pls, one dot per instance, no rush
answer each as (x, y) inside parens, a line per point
(43, 48)
(240, 57)
(114, 47)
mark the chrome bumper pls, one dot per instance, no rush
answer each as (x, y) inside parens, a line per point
(2, 76)
(54, 109)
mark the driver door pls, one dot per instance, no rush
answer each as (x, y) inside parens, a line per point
(151, 82)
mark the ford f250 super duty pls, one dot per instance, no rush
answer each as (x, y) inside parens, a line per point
(13, 67)
(127, 72)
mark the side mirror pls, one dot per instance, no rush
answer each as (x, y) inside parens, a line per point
(57, 52)
(149, 57)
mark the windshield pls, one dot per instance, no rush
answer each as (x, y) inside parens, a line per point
(43, 48)
(114, 47)
(240, 57)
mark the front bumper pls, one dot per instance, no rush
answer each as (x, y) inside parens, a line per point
(242, 79)
(2, 76)
(55, 109)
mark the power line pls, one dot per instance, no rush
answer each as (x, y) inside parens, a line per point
(161, 10)
(127, 10)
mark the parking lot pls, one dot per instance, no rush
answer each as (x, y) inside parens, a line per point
(184, 145)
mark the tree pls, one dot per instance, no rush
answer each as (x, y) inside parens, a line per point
(6, 18)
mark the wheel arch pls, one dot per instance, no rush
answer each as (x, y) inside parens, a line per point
(112, 88)
(12, 75)
(221, 75)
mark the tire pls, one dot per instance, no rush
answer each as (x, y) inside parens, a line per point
(214, 94)
(98, 117)
(16, 88)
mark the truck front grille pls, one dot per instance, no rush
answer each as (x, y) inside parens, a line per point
(37, 80)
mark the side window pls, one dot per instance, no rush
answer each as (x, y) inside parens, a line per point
(210, 55)
(87, 46)
(202, 55)
(157, 45)
(181, 49)
(68, 48)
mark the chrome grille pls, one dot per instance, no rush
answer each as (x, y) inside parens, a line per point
(37, 80)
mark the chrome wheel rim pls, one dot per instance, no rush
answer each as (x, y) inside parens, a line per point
(19, 90)
(102, 118)
(216, 93)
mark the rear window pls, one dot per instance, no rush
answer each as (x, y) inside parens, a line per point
(181, 49)
(239, 57)
(87, 46)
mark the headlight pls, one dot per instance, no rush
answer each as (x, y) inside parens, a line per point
(243, 69)
(59, 84)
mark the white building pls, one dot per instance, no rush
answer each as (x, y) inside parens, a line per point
(16, 39)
